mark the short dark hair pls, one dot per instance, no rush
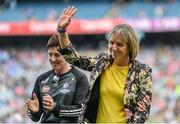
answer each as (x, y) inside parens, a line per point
(53, 42)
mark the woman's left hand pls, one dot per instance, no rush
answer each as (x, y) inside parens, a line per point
(48, 102)
(66, 16)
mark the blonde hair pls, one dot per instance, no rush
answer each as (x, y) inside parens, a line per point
(126, 33)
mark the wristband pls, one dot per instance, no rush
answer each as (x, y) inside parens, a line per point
(60, 30)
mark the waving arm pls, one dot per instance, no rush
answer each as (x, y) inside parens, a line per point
(67, 50)
(63, 23)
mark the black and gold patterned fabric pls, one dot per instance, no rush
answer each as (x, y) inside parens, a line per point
(138, 86)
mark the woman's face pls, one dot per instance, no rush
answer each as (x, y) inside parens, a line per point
(119, 51)
(56, 59)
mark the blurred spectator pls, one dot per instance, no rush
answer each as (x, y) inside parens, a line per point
(52, 15)
(176, 110)
(160, 11)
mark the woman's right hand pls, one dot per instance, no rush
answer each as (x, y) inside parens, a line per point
(66, 16)
(33, 105)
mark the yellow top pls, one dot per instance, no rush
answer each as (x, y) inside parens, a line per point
(111, 106)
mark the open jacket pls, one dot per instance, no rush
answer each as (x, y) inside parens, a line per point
(137, 91)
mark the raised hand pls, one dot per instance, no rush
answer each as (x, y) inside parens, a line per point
(48, 102)
(66, 16)
(33, 105)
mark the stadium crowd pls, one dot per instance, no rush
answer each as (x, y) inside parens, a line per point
(19, 69)
(21, 66)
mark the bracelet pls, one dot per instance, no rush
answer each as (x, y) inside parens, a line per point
(60, 30)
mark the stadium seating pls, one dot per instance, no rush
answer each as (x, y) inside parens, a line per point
(23, 58)
(150, 10)
(42, 10)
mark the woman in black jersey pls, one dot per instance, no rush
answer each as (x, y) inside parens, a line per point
(58, 94)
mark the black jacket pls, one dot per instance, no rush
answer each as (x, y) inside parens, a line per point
(67, 90)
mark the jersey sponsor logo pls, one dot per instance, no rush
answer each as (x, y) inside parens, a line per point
(66, 85)
(65, 89)
(45, 89)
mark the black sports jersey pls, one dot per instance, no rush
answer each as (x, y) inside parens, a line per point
(67, 90)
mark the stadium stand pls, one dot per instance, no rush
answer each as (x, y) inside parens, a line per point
(42, 10)
(23, 58)
(150, 10)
